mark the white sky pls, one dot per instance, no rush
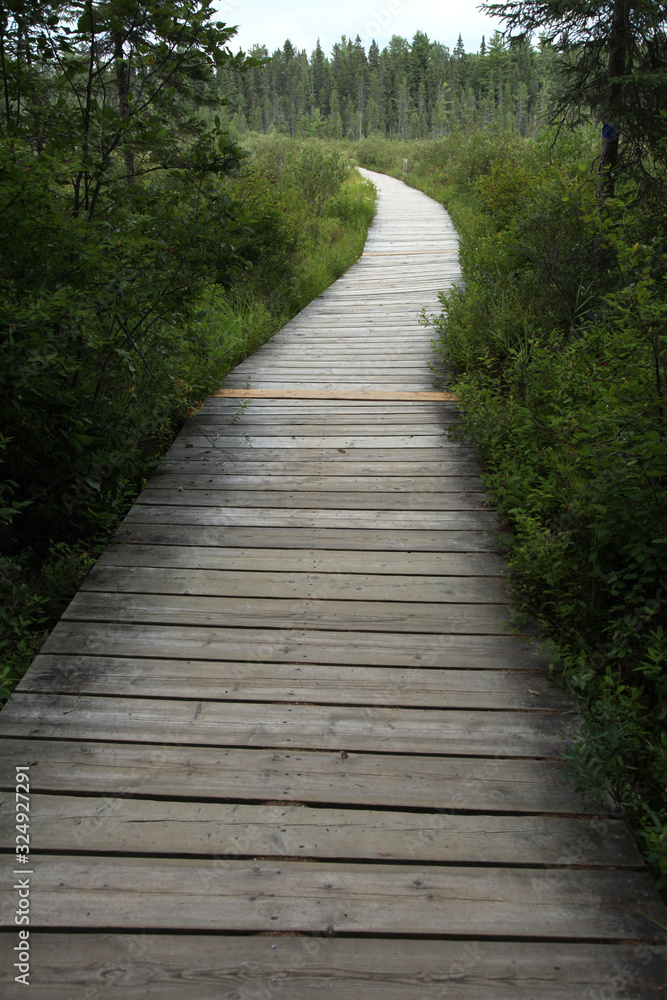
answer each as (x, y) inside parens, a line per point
(270, 22)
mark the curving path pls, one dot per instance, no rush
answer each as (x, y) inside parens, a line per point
(283, 743)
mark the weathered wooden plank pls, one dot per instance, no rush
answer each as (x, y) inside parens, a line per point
(401, 304)
(447, 459)
(306, 560)
(320, 352)
(313, 683)
(283, 427)
(419, 396)
(288, 420)
(166, 479)
(276, 381)
(291, 413)
(335, 500)
(132, 966)
(207, 723)
(216, 462)
(303, 354)
(386, 616)
(387, 520)
(288, 374)
(382, 369)
(255, 413)
(297, 377)
(492, 784)
(143, 826)
(287, 423)
(296, 646)
(307, 441)
(409, 253)
(169, 893)
(311, 586)
(335, 539)
(318, 324)
(215, 404)
(360, 385)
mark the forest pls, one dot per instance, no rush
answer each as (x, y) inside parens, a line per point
(167, 206)
(413, 89)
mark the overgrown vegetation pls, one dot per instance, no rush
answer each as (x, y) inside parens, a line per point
(145, 253)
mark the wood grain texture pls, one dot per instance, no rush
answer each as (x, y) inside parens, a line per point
(300, 393)
(135, 966)
(169, 893)
(257, 517)
(143, 826)
(297, 646)
(489, 785)
(286, 613)
(335, 539)
(343, 728)
(381, 587)
(313, 683)
(217, 463)
(407, 564)
(184, 495)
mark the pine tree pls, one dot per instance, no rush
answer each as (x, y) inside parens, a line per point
(335, 119)
(319, 75)
(286, 91)
(615, 63)
(440, 118)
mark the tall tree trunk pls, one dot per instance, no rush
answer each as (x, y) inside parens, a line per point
(123, 88)
(616, 68)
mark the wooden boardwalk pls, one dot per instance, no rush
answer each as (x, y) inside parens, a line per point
(283, 744)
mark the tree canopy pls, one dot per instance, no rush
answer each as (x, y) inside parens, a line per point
(112, 219)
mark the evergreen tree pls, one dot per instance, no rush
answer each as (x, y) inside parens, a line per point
(320, 76)
(409, 89)
(615, 63)
(335, 129)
